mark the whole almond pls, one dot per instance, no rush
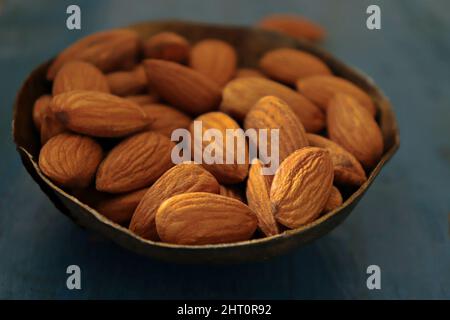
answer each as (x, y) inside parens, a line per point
(301, 187)
(107, 50)
(273, 113)
(258, 192)
(214, 58)
(79, 75)
(322, 88)
(293, 25)
(225, 173)
(143, 99)
(230, 191)
(241, 94)
(183, 178)
(166, 119)
(135, 163)
(347, 169)
(120, 208)
(39, 109)
(354, 128)
(127, 83)
(183, 87)
(287, 65)
(167, 46)
(200, 218)
(50, 126)
(98, 114)
(334, 200)
(70, 160)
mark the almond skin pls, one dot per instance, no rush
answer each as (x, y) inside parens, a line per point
(39, 109)
(70, 160)
(79, 75)
(347, 169)
(214, 58)
(224, 173)
(258, 192)
(50, 126)
(135, 163)
(127, 83)
(167, 46)
(241, 94)
(322, 88)
(120, 208)
(183, 178)
(301, 187)
(273, 113)
(230, 191)
(293, 25)
(182, 87)
(166, 119)
(354, 128)
(201, 218)
(248, 73)
(287, 65)
(98, 114)
(107, 50)
(334, 200)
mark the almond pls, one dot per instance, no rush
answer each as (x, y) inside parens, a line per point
(230, 191)
(39, 109)
(322, 88)
(166, 118)
(273, 113)
(183, 178)
(120, 208)
(334, 200)
(301, 187)
(183, 87)
(204, 218)
(287, 65)
(107, 50)
(248, 73)
(214, 58)
(258, 192)
(127, 83)
(135, 163)
(293, 25)
(241, 94)
(224, 173)
(347, 169)
(143, 99)
(354, 128)
(50, 126)
(70, 160)
(98, 114)
(167, 46)
(79, 75)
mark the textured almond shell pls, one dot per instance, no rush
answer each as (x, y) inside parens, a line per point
(70, 160)
(204, 218)
(183, 178)
(334, 200)
(166, 119)
(301, 187)
(127, 83)
(98, 114)
(167, 46)
(135, 163)
(353, 127)
(241, 94)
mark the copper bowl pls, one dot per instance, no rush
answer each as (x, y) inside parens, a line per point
(251, 44)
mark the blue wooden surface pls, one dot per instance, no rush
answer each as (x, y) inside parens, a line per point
(401, 224)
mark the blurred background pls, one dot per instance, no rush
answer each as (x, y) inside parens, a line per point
(401, 225)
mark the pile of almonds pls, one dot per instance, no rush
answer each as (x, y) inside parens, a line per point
(116, 98)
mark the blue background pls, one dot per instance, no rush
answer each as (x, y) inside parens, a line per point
(402, 224)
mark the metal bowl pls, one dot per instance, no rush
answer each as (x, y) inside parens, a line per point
(250, 44)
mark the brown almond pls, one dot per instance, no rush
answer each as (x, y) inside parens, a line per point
(98, 114)
(39, 109)
(70, 160)
(143, 99)
(214, 58)
(201, 218)
(322, 88)
(127, 83)
(79, 75)
(241, 94)
(301, 187)
(166, 119)
(50, 126)
(135, 163)
(287, 65)
(182, 87)
(347, 169)
(183, 178)
(354, 128)
(167, 46)
(230, 191)
(258, 198)
(249, 73)
(334, 200)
